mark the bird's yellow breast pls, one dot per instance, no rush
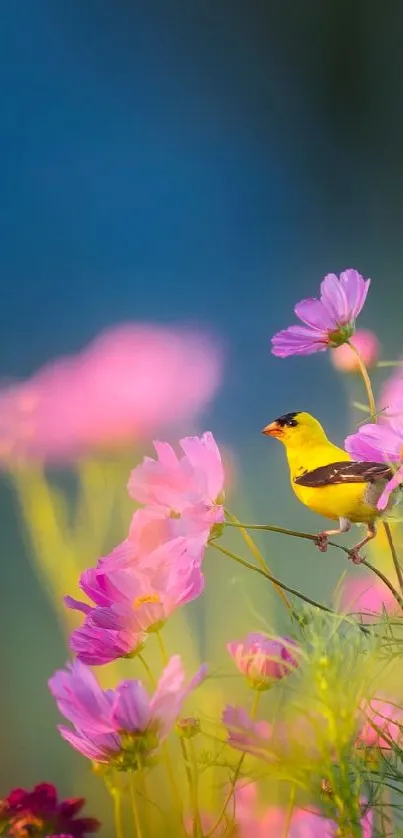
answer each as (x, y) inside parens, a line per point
(344, 500)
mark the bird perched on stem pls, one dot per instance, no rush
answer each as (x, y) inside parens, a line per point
(326, 479)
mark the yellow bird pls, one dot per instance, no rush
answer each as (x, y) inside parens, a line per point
(326, 479)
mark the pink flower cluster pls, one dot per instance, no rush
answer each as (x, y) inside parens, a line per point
(130, 382)
(159, 566)
(133, 591)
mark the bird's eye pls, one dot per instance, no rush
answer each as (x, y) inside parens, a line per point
(291, 423)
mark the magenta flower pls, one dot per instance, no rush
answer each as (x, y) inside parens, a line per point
(133, 601)
(189, 487)
(330, 321)
(381, 443)
(263, 660)
(132, 381)
(383, 725)
(124, 726)
(39, 812)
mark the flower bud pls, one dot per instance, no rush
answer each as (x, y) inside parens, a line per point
(188, 727)
(263, 660)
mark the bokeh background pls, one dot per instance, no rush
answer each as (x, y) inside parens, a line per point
(188, 162)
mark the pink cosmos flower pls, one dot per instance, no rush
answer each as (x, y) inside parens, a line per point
(383, 725)
(131, 601)
(124, 726)
(328, 322)
(263, 660)
(130, 382)
(381, 443)
(365, 597)
(344, 358)
(187, 488)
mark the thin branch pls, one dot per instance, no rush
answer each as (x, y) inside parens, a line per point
(311, 537)
(283, 531)
(385, 581)
(258, 556)
(269, 576)
(396, 564)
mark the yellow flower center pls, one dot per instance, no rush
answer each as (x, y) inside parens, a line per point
(141, 600)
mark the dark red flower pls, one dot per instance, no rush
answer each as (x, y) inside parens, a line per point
(37, 813)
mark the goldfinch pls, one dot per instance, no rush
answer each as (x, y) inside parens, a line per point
(327, 480)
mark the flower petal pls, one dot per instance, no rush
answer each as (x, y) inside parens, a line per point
(314, 314)
(333, 296)
(378, 443)
(393, 484)
(297, 340)
(131, 707)
(98, 748)
(355, 289)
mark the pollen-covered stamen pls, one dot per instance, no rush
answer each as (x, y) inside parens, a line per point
(155, 621)
(148, 598)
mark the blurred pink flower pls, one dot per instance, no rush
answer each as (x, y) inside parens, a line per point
(253, 820)
(392, 390)
(345, 360)
(123, 726)
(132, 601)
(262, 659)
(187, 488)
(130, 382)
(361, 595)
(383, 725)
(328, 322)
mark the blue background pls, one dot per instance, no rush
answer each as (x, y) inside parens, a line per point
(202, 162)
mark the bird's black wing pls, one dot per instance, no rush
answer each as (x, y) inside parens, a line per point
(346, 472)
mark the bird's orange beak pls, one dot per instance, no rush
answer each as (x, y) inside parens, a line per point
(273, 430)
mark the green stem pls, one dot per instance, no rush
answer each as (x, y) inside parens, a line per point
(283, 531)
(257, 554)
(197, 825)
(310, 537)
(290, 812)
(195, 813)
(381, 364)
(135, 811)
(365, 377)
(161, 644)
(117, 812)
(165, 750)
(385, 581)
(268, 575)
(236, 774)
(396, 565)
(147, 669)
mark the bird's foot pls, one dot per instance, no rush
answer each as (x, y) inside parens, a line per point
(321, 541)
(355, 555)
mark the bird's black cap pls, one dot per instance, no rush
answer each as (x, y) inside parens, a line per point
(288, 419)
